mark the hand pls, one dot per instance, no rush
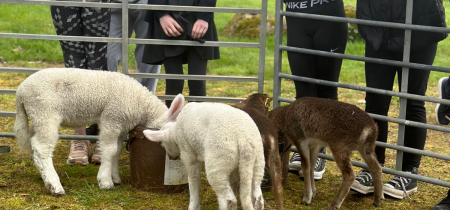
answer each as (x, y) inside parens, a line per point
(199, 29)
(170, 27)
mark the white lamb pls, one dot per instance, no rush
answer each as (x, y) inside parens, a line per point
(74, 98)
(227, 142)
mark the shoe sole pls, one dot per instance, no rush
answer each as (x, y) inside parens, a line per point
(80, 163)
(399, 194)
(356, 186)
(440, 96)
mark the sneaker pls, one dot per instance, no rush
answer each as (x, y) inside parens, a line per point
(95, 159)
(401, 187)
(295, 163)
(79, 152)
(444, 204)
(363, 182)
(319, 169)
(442, 110)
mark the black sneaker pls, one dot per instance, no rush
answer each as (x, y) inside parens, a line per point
(295, 163)
(363, 182)
(401, 187)
(444, 204)
(442, 110)
(319, 169)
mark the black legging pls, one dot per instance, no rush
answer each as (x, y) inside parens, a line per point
(317, 35)
(80, 21)
(382, 77)
(196, 66)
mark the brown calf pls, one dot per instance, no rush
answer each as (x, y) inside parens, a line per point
(312, 123)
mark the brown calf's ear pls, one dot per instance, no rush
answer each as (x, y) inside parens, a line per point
(268, 100)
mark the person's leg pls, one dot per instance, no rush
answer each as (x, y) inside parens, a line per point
(331, 37)
(96, 22)
(140, 27)
(303, 65)
(196, 66)
(381, 77)
(114, 50)
(173, 65)
(401, 187)
(415, 110)
(67, 21)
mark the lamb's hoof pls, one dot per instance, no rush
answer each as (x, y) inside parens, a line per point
(57, 193)
(259, 203)
(377, 203)
(332, 207)
(117, 181)
(306, 201)
(194, 206)
(106, 185)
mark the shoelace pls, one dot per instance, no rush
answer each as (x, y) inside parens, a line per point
(296, 157)
(401, 181)
(317, 163)
(78, 145)
(364, 176)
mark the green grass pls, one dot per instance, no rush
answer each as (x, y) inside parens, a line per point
(21, 187)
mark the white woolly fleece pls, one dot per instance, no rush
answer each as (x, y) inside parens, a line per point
(75, 98)
(228, 142)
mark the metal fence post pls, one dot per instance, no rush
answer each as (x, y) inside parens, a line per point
(404, 85)
(262, 46)
(277, 57)
(125, 36)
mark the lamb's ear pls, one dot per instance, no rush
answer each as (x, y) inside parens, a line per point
(175, 108)
(155, 136)
(268, 100)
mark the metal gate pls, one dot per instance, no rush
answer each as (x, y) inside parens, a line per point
(125, 41)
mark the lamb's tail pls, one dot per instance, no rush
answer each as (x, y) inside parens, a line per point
(21, 127)
(251, 172)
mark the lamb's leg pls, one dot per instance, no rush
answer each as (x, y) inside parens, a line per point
(193, 169)
(108, 142)
(313, 155)
(276, 174)
(307, 171)
(218, 176)
(43, 144)
(375, 170)
(234, 180)
(258, 174)
(342, 159)
(115, 167)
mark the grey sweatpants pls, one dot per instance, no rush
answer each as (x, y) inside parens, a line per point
(137, 24)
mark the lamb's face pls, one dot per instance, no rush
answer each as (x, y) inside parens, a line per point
(172, 149)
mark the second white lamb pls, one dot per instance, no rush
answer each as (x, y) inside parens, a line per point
(223, 139)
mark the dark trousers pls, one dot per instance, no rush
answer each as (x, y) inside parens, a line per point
(382, 77)
(80, 21)
(317, 35)
(196, 66)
